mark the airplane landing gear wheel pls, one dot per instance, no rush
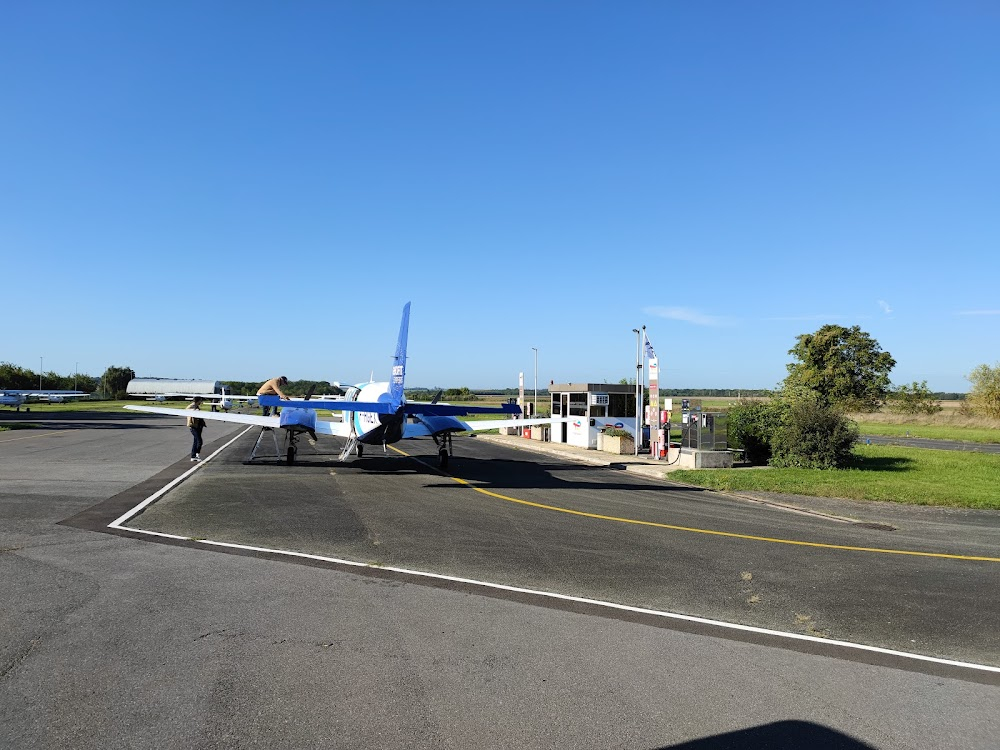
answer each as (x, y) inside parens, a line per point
(291, 455)
(361, 450)
(444, 449)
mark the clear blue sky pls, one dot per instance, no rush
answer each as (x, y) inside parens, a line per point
(236, 190)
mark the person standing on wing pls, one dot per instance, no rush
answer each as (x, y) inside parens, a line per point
(196, 425)
(272, 388)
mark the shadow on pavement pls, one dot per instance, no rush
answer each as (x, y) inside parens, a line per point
(781, 735)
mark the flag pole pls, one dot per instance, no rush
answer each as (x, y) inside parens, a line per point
(638, 394)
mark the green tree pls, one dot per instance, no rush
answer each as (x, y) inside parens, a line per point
(914, 399)
(14, 377)
(115, 381)
(845, 367)
(984, 398)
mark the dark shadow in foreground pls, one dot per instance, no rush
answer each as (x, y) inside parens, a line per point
(781, 735)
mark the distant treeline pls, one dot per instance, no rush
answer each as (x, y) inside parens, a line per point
(293, 388)
(23, 379)
(14, 377)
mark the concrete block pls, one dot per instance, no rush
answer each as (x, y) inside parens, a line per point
(697, 459)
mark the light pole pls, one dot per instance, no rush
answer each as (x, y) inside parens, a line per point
(41, 366)
(642, 388)
(535, 349)
(76, 372)
(638, 393)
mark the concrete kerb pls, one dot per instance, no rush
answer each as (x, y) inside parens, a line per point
(643, 465)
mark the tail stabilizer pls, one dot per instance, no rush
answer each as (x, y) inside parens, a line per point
(399, 361)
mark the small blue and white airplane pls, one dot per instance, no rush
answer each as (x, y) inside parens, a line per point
(373, 413)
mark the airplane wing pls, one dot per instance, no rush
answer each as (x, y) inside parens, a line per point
(322, 427)
(50, 395)
(432, 425)
(448, 410)
(210, 415)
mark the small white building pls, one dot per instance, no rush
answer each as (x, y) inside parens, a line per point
(596, 406)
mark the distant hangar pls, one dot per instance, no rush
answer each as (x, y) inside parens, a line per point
(164, 386)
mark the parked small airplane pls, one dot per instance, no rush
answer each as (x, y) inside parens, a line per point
(16, 397)
(12, 399)
(222, 401)
(373, 413)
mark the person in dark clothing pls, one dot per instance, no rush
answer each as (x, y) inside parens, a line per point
(196, 425)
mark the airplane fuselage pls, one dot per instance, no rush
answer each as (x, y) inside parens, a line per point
(372, 428)
(13, 400)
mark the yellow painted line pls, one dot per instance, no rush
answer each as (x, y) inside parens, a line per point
(711, 532)
(29, 437)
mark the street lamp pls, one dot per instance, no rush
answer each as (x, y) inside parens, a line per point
(642, 388)
(76, 371)
(535, 349)
(41, 366)
(638, 393)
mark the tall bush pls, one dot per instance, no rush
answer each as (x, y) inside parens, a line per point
(812, 435)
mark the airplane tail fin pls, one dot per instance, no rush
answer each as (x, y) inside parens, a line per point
(399, 361)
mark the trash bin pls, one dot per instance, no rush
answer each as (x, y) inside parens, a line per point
(527, 432)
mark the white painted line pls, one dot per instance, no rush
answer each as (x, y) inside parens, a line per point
(116, 524)
(576, 599)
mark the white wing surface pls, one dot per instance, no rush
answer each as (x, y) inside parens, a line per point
(322, 428)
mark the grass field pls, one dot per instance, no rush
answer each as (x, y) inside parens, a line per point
(949, 424)
(931, 431)
(915, 476)
(41, 408)
(905, 475)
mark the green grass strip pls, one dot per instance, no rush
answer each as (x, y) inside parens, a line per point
(914, 476)
(19, 426)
